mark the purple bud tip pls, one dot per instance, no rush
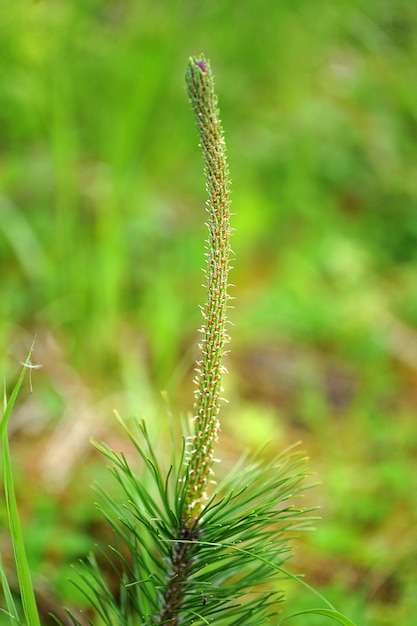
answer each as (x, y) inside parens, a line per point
(202, 65)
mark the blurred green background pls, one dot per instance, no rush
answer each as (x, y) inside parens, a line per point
(101, 244)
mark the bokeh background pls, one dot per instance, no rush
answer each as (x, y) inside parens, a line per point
(102, 243)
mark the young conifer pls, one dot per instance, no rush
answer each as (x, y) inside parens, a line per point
(186, 556)
(183, 556)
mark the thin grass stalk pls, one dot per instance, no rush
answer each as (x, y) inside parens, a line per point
(22, 567)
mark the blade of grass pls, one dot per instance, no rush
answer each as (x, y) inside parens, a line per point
(11, 607)
(8, 406)
(22, 567)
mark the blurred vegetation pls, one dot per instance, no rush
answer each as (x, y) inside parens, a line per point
(101, 231)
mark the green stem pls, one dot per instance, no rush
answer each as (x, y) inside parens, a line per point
(200, 87)
(200, 446)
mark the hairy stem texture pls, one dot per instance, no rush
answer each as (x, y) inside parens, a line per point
(209, 370)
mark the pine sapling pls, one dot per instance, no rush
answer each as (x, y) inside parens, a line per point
(184, 553)
(198, 554)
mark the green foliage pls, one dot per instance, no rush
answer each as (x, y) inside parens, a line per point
(183, 556)
(233, 555)
(27, 594)
(320, 107)
(10, 610)
(337, 617)
(180, 554)
(322, 155)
